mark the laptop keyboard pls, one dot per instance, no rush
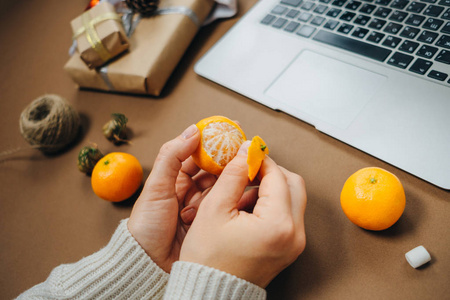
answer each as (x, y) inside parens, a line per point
(409, 35)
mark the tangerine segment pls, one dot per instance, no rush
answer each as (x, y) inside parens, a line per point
(220, 140)
(116, 176)
(256, 153)
(373, 198)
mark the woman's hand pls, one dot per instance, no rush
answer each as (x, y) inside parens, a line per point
(174, 188)
(252, 244)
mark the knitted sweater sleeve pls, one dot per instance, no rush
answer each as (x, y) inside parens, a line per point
(195, 282)
(121, 270)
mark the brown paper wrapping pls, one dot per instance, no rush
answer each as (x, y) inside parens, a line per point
(110, 33)
(156, 47)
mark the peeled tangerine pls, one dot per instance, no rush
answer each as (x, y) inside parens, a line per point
(220, 139)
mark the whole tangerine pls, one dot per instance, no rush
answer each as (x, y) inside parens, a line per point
(117, 176)
(373, 198)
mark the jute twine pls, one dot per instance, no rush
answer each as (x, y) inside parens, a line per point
(49, 123)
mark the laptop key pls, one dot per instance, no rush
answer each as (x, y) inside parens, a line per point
(415, 20)
(279, 23)
(446, 14)
(353, 45)
(292, 26)
(377, 24)
(399, 4)
(353, 4)
(291, 2)
(427, 51)
(444, 41)
(427, 37)
(304, 16)
(421, 66)
(292, 13)
(392, 41)
(367, 8)
(360, 32)
(306, 31)
(382, 12)
(398, 16)
(375, 37)
(400, 60)
(279, 10)
(410, 32)
(320, 9)
(334, 12)
(432, 24)
(347, 16)
(437, 75)
(331, 24)
(383, 2)
(409, 46)
(317, 20)
(446, 28)
(339, 2)
(268, 19)
(415, 7)
(307, 5)
(345, 28)
(443, 57)
(444, 2)
(433, 10)
(362, 20)
(393, 28)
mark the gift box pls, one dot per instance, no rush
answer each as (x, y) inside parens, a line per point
(99, 34)
(157, 44)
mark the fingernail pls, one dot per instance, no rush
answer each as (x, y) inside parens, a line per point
(189, 132)
(244, 147)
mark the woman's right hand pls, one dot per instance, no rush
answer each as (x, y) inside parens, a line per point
(255, 245)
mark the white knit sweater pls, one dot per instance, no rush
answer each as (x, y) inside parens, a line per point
(122, 270)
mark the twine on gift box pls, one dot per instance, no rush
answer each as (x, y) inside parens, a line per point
(48, 123)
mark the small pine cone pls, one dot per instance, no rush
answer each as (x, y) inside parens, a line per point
(115, 129)
(144, 7)
(88, 158)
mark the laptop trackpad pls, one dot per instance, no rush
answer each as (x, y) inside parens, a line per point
(325, 88)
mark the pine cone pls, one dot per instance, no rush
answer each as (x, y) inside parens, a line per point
(144, 7)
(115, 129)
(87, 158)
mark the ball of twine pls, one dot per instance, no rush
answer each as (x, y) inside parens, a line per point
(49, 123)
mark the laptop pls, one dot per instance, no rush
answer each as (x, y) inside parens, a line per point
(374, 74)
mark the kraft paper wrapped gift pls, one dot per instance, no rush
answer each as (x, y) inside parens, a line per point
(156, 46)
(99, 34)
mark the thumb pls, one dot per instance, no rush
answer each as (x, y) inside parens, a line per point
(168, 163)
(230, 186)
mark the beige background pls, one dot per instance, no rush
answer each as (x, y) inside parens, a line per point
(49, 214)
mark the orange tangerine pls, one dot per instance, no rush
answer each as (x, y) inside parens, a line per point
(220, 139)
(373, 198)
(116, 176)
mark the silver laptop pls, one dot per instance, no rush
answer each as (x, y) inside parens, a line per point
(371, 73)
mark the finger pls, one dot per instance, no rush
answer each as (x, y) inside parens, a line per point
(168, 163)
(248, 200)
(231, 184)
(274, 195)
(188, 213)
(298, 195)
(189, 167)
